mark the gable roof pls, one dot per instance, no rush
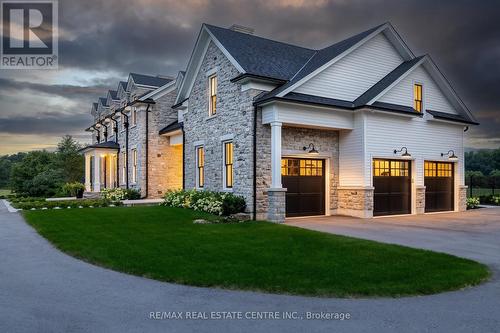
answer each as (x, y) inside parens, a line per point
(148, 80)
(113, 94)
(451, 117)
(122, 84)
(103, 101)
(262, 56)
(386, 81)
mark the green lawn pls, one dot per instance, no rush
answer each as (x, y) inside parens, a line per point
(162, 243)
(4, 192)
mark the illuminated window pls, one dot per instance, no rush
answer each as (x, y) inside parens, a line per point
(417, 94)
(301, 167)
(390, 168)
(124, 167)
(213, 95)
(437, 169)
(134, 165)
(200, 167)
(228, 164)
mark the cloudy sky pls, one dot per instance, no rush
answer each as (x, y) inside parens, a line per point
(102, 41)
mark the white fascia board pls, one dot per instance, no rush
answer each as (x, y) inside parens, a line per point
(331, 62)
(445, 86)
(158, 93)
(196, 59)
(397, 81)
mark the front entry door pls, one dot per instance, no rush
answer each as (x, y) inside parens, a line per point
(304, 180)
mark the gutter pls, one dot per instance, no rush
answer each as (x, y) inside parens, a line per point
(147, 150)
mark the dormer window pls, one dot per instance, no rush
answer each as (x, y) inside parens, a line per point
(417, 95)
(212, 83)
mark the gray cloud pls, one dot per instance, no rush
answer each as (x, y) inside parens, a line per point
(153, 36)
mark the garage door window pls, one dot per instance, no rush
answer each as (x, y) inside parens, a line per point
(433, 169)
(295, 167)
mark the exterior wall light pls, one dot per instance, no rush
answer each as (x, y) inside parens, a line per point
(404, 155)
(451, 155)
(311, 148)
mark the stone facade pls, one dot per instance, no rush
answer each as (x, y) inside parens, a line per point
(462, 198)
(276, 208)
(420, 200)
(233, 121)
(355, 201)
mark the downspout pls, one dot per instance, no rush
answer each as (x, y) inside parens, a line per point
(125, 124)
(115, 129)
(147, 150)
(183, 157)
(255, 164)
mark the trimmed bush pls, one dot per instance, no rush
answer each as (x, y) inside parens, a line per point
(118, 193)
(27, 205)
(472, 203)
(217, 203)
(132, 194)
(74, 189)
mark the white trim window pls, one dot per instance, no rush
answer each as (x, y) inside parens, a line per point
(134, 165)
(200, 167)
(418, 96)
(134, 116)
(212, 102)
(227, 168)
(124, 167)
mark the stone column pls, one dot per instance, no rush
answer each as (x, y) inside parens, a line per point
(462, 198)
(276, 194)
(355, 201)
(97, 172)
(420, 202)
(88, 185)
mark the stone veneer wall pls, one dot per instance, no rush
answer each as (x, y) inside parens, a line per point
(276, 211)
(355, 201)
(234, 119)
(462, 198)
(420, 202)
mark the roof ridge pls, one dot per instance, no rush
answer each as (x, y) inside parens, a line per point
(260, 37)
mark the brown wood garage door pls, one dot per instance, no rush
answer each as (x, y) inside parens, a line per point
(392, 182)
(439, 180)
(304, 180)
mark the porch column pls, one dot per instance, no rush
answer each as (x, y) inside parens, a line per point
(276, 194)
(97, 172)
(276, 154)
(87, 174)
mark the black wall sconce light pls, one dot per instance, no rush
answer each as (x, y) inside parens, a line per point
(311, 148)
(451, 155)
(403, 155)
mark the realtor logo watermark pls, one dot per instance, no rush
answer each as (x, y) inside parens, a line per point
(29, 35)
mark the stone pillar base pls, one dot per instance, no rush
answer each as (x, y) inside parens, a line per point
(276, 210)
(355, 201)
(462, 198)
(420, 203)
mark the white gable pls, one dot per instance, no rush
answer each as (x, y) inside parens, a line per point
(355, 73)
(433, 97)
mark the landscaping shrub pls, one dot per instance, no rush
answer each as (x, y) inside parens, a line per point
(472, 203)
(74, 189)
(120, 194)
(27, 205)
(218, 203)
(495, 200)
(490, 199)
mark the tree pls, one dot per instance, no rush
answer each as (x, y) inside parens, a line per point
(6, 163)
(23, 172)
(70, 160)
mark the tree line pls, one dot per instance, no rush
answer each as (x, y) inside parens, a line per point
(43, 173)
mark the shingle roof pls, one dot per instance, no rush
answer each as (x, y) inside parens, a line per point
(148, 80)
(94, 105)
(452, 117)
(103, 101)
(171, 127)
(103, 145)
(261, 56)
(123, 84)
(385, 82)
(113, 94)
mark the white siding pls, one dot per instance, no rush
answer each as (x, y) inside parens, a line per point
(433, 98)
(351, 154)
(425, 140)
(352, 75)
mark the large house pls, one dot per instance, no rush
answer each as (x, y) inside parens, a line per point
(362, 127)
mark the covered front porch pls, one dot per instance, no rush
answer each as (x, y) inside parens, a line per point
(101, 166)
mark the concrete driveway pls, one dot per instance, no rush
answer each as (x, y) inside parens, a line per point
(44, 290)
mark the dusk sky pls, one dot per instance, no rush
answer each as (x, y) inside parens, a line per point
(102, 41)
